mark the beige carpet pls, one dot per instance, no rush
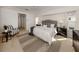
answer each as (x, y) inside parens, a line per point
(22, 40)
(34, 44)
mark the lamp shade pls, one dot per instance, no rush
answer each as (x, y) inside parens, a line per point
(37, 20)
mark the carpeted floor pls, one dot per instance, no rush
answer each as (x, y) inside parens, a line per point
(34, 44)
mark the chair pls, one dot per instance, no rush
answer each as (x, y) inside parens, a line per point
(13, 30)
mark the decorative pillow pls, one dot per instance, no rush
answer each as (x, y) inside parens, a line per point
(45, 26)
(52, 25)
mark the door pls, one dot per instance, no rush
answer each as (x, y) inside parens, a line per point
(22, 21)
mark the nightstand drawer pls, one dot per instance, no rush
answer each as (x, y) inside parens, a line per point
(69, 33)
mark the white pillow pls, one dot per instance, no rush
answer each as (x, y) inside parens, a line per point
(45, 26)
(52, 25)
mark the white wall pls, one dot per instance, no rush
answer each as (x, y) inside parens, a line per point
(0, 19)
(9, 15)
(60, 14)
(30, 20)
(58, 10)
(77, 21)
(57, 17)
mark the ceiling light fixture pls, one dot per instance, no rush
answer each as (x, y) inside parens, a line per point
(27, 9)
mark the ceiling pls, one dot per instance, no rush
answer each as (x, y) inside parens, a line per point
(38, 8)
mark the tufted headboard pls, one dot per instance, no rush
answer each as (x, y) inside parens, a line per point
(49, 22)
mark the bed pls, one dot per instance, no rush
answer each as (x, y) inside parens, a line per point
(47, 31)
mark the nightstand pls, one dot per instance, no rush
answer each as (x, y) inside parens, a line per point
(70, 32)
(62, 31)
(31, 30)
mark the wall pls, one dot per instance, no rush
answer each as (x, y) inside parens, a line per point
(30, 21)
(9, 15)
(77, 21)
(57, 11)
(61, 14)
(0, 20)
(57, 17)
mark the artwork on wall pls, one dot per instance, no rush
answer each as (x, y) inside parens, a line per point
(71, 22)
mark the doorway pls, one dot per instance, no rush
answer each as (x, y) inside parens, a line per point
(21, 21)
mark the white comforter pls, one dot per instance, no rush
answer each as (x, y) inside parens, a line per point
(45, 34)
